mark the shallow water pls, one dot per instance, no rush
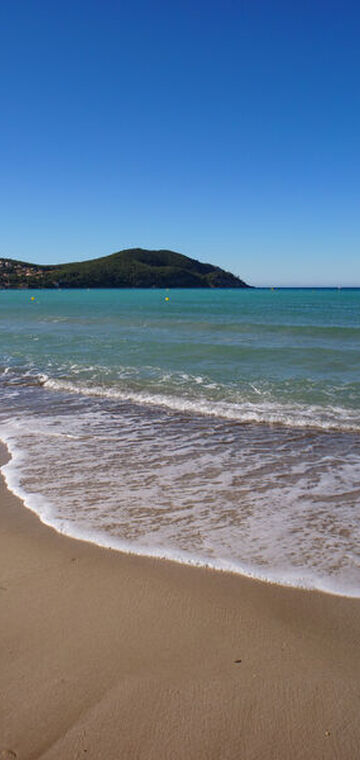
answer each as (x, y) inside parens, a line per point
(219, 427)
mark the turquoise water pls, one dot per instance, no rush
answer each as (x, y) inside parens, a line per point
(219, 427)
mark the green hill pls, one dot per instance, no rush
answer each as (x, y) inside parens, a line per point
(133, 268)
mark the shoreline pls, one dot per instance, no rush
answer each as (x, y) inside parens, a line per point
(115, 655)
(117, 546)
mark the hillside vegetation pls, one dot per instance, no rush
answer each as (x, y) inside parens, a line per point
(133, 268)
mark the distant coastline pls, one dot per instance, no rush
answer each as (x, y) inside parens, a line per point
(131, 268)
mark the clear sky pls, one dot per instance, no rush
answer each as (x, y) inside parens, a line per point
(229, 131)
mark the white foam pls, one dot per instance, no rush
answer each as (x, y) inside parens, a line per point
(289, 415)
(49, 513)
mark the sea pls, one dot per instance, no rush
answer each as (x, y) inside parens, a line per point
(219, 428)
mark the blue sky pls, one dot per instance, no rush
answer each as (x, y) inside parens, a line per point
(229, 131)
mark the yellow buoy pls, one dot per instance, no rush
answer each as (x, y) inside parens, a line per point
(166, 298)
(32, 298)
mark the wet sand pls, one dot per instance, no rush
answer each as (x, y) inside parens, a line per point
(111, 656)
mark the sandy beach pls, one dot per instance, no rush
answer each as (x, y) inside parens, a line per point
(105, 655)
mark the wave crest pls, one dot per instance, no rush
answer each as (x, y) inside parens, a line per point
(265, 412)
